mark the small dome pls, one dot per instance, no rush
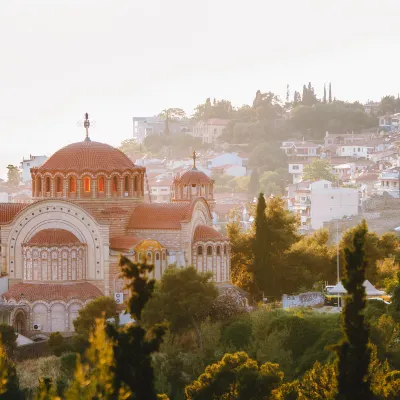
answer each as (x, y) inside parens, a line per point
(53, 237)
(87, 156)
(193, 176)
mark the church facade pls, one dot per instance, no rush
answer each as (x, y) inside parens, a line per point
(62, 250)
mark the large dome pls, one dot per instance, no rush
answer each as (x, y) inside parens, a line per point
(88, 156)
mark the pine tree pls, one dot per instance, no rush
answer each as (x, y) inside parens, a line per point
(287, 93)
(134, 345)
(330, 92)
(324, 100)
(354, 353)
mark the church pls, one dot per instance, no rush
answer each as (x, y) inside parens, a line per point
(88, 208)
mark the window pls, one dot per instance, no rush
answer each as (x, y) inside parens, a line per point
(200, 251)
(358, 149)
(86, 184)
(158, 256)
(326, 186)
(28, 164)
(194, 189)
(126, 184)
(39, 186)
(115, 184)
(100, 184)
(72, 184)
(295, 167)
(225, 249)
(149, 257)
(59, 185)
(163, 256)
(48, 185)
(209, 251)
(135, 183)
(218, 251)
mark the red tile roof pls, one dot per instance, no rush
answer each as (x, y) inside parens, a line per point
(204, 233)
(53, 237)
(50, 292)
(87, 156)
(193, 176)
(124, 242)
(159, 215)
(9, 210)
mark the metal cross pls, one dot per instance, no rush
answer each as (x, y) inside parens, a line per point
(86, 124)
(194, 156)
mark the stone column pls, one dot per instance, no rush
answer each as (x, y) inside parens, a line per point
(108, 187)
(94, 188)
(78, 188)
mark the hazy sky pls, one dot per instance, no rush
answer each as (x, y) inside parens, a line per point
(124, 58)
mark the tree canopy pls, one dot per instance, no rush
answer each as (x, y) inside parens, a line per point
(318, 169)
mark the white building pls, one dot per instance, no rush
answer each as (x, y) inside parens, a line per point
(31, 162)
(389, 181)
(320, 202)
(210, 130)
(296, 170)
(357, 151)
(225, 159)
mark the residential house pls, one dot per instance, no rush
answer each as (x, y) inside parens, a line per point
(389, 181)
(355, 150)
(224, 159)
(389, 122)
(161, 189)
(210, 130)
(347, 138)
(27, 164)
(320, 202)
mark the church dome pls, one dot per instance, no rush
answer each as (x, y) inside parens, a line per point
(53, 237)
(87, 156)
(193, 176)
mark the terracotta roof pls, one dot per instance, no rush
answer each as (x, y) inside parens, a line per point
(159, 215)
(87, 156)
(49, 291)
(124, 242)
(367, 177)
(9, 210)
(193, 176)
(53, 237)
(204, 233)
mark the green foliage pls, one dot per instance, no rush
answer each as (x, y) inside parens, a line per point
(217, 109)
(9, 383)
(183, 298)
(133, 345)
(354, 353)
(238, 334)
(87, 316)
(268, 156)
(57, 344)
(235, 377)
(46, 390)
(8, 338)
(169, 115)
(318, 169)
(13, 175)
(254, 182)
(130, 147)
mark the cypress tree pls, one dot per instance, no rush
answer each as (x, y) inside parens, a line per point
(330, 92)
(259, 248)
(324, 94)
(287, 93)
(354, 353)
(305, 95)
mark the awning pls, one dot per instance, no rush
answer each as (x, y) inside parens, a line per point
(370, 289)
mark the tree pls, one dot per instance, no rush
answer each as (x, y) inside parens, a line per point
(94, 378)
(57, 343)
(8, 338)
(354, 353)
(87, 316)
(169, 115)
(254, 182)
(324, 99)
(130, 147)
(13, 175)
(9, 385)
(133, 345)
(218, 109)
(318, 169)
(183, 298)
(236, 377)
(275, 232)
(46, 390)
(330, 92)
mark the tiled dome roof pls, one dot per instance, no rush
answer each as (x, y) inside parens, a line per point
(193, 176)
(53, 237)
(9, 210)
(204, 233)
(51, 292)
(87, 156)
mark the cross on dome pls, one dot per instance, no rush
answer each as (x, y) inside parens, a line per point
(194, 157)
(86, 124)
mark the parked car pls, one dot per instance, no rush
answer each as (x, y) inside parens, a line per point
(379, 299)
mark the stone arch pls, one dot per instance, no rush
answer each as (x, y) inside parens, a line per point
(64, 215)
(39, 315)
(20, 322)
(73, 312)
(58, 315)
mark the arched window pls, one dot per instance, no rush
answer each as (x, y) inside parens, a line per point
(115, 184)
(100, 184)
(194, 189)
(48, 185)
(86, 184)
(163, 256)
(218, 250)
(72, 184)
(149, 257)
(135, 188)
(200, 251)
(225, 249)
(126, 184)
(209, 251)
(59, 184)
(158, 256)
(39, 186)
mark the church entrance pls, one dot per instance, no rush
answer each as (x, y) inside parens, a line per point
(20, 322)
